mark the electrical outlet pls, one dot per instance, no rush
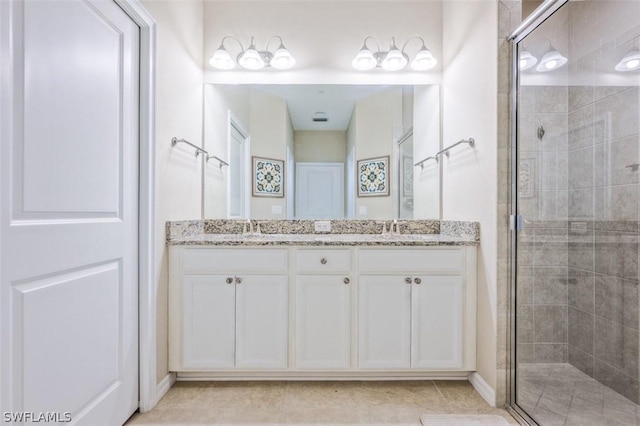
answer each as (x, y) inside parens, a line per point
(276, 209)
(362, 210)
(322, 226)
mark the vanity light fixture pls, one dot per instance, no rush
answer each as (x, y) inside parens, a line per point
(251, 58)
(551, 60)
(393, 59)
(630, 61)
(526, 60)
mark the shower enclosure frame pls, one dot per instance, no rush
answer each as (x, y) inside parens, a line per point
(546, 10)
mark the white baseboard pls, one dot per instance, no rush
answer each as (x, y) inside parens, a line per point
(483, 388)
(163, 387)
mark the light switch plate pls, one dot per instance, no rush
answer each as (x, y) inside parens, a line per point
(322, 226)
(362, 210)
(276, 209)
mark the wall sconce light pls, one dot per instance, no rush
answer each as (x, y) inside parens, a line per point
(526, 60)
(251, 58)
(394, 59)
(630, 61)
(551, 60)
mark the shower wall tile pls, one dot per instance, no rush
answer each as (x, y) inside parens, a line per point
(527, 99)
(580, 96)
(550, 324)
(524, 332)
(616, 380)
(581, 360)
(549, 352)
(612, 159)
(581, 166)
(581, 127)
(525, 285)
(616, 254)
(555, 128)
(616, 299)
(581, 291)
(617, 346)
(581, 203)
(616, 203)
(550, 285)
(581, 330)
(619, 113)
(551, 99)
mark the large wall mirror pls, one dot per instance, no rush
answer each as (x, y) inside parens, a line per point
(321, 151)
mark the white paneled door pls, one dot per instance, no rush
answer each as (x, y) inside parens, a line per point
(69, 211)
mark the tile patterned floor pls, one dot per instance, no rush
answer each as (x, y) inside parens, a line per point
(560, 394)
(296, 403)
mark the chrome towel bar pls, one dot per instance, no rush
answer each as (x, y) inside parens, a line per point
(175, 141)
(445, 151)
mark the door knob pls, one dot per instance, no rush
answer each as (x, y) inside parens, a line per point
(229, 280)
(323, 260)
(407, 280)
(238, 280)
(346, 280)
(417, 280)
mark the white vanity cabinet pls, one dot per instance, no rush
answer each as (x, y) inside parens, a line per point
(228, 309)
(323, 309)
(279, 311)
(415, 311)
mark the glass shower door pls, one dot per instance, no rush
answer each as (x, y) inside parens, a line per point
(575, 337)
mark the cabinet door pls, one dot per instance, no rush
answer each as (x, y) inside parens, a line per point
(208, 322)
(437, 322)
(384, 322)
(323, 325)
(261, 322)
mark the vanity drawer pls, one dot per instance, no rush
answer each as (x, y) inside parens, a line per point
(323, 260)
(230, 260)
(407, 260)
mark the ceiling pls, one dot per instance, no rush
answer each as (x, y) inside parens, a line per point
(331, 101)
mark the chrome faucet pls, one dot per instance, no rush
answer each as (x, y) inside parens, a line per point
(395, 227)
(384, 227)
(247, 230)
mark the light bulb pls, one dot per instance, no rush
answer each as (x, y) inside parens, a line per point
(364, 60)
(424, 60)
(551, 60)
(527, 60)
(282, 59)
(221, 59)
(630, 61)
(251, 59)
(395, 60)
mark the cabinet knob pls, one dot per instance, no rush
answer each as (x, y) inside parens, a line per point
(238, 280)
(346, 280)
(407, 280)
(417, 280)
(229, 280)
(323, 260)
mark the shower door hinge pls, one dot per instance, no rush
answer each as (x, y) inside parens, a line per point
(515, 222)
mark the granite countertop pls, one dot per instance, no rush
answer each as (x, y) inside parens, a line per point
(345, 233)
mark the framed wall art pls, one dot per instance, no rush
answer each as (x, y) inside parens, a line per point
(373, 177)
(268, 177)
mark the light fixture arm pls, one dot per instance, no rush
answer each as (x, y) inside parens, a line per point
(234, 38)
(269, 42)
(364, 44)
(413, 38)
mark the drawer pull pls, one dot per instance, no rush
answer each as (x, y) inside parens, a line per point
(229, 280)
(407, 280)
(238, 280)
(346, 280)
(323, 260)
(417, 280)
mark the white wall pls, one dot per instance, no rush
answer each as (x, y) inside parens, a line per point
(219, 101)
(470, 174)
(178, 113)
(375, 129)
(270, 127)
(323, 36)
(426, 142)
(320, 146)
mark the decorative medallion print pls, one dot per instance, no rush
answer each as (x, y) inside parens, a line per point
(373, 177)
(268, 177)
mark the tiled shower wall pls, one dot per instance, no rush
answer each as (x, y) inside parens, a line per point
(603, 238)
(543, 197)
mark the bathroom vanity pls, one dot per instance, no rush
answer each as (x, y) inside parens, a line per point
(297, 304)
